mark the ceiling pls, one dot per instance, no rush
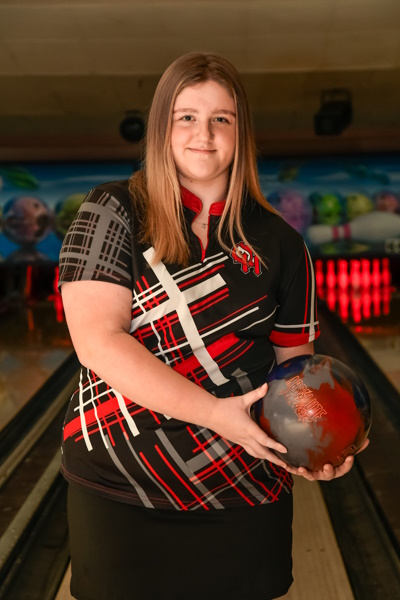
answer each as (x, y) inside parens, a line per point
(69, 71)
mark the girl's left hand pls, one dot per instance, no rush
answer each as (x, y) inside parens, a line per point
(328, 472)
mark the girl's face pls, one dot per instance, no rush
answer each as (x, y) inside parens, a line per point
(203, 134)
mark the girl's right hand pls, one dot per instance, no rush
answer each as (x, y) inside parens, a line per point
(231, 419)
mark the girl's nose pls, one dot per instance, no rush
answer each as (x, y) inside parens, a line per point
(204, 131)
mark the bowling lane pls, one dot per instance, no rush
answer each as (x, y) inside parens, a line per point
(364, 505)
(380, 336)
(34, 343)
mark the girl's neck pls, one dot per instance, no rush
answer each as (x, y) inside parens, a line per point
(208, 193)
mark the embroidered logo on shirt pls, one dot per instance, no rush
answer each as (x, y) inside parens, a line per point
(242, 254)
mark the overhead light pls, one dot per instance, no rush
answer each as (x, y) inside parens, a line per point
(335, 112)
(132, 126)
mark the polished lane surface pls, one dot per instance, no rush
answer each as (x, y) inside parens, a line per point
(380, 336)
(34, 342)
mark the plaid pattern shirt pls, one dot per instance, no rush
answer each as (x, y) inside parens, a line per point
(214, 322)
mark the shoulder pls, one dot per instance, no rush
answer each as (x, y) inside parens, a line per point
(115, 188)
(264, 225)
(113, 194)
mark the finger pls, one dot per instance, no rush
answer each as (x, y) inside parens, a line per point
(272, 458)
(259, 451)
(259, 434)
(252, 397)
(264, 440)
(292, 470)
(328, 472)
(345, 467)
(310, 475)
(364, 446)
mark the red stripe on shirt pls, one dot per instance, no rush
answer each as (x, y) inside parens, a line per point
(306, 320)
(278, 338)
(156, 475)
(180, 478)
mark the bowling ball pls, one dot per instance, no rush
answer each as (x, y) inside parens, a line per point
(26, 220)
(318, 408)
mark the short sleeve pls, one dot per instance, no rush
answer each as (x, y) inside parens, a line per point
(296, 317)
(97, 246)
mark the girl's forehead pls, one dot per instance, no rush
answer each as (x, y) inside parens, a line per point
(206, 92)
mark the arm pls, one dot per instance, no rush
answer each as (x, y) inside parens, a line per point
(99, 317)
(282, 353)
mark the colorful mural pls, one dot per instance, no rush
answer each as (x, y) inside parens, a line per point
(343, 205)
(39, 201)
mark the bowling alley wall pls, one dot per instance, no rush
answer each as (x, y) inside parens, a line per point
(346, 207)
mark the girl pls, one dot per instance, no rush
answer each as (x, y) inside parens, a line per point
(181, 289)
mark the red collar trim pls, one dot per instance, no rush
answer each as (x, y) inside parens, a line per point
(193, 202)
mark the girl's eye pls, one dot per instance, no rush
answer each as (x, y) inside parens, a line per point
(187, 118)
(221, 120)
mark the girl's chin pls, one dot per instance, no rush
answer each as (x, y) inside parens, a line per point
(206, 177)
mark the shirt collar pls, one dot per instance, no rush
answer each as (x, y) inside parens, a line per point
(194, 203)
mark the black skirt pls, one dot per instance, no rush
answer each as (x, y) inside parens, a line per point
(125, 552)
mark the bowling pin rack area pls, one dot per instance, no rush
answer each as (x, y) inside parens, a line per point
(357, 289)
(362, 507)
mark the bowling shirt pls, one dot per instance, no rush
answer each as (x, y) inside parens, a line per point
(215, 322)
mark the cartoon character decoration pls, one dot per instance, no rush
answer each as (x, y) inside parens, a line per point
(358, 204)
(294, 208)
(327, 207)
(38, 203)
(65, 212)
(387, 201)
(26, 221)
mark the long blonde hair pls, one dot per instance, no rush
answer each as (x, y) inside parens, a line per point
(156, 187)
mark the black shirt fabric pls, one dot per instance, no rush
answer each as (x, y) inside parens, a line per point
(214, 322)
